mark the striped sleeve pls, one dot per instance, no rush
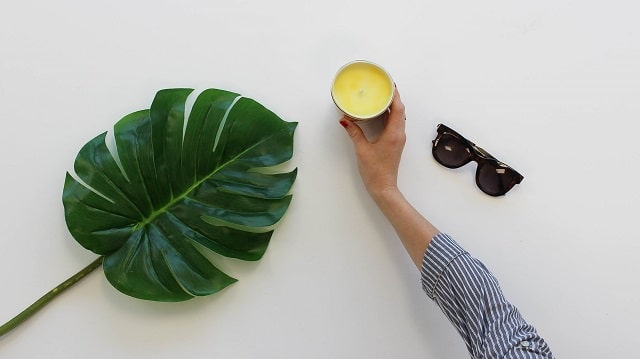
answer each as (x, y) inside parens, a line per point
(469, 295)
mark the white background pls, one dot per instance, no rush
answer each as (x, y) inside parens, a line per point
(551, 87)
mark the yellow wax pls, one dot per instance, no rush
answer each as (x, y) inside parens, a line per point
(362, 90)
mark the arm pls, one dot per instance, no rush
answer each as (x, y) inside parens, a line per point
(378, 164)
(461, 286)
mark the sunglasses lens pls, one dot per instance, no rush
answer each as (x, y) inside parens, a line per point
(494, 179)
(451, 151)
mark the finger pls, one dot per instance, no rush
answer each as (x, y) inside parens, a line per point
(397, 115)
(354, 131)
(397, 109)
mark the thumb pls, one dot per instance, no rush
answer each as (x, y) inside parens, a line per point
(354, 131)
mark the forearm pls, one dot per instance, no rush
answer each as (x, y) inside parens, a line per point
(415, 231)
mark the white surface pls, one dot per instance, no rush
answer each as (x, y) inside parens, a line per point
(550, 87)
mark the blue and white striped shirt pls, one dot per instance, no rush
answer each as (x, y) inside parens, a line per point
(469, 295)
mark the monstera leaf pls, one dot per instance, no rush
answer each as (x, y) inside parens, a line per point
(168, 190)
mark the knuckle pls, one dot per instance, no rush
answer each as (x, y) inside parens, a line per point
(353, 133)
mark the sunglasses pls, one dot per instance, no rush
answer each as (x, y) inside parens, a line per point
(452, 150)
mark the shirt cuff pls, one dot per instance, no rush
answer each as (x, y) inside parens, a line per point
(442, 250)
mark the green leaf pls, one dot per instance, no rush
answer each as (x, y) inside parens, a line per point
(169, 187)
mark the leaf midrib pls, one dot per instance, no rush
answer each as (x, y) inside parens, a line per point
(179, 198)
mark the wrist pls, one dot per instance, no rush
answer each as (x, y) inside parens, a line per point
(385, 195)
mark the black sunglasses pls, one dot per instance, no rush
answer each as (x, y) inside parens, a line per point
(452, 150)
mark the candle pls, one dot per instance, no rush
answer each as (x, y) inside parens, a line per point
(362, 90)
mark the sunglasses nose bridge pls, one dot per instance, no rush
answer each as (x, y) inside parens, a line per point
(481, 152)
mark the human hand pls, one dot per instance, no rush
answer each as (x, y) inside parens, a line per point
(379, 160)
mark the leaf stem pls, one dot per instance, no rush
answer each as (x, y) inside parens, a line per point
(45, 299)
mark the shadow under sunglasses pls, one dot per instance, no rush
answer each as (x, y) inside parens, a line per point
(452, 150)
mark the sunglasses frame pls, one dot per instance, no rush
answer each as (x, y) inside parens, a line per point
(477, 154)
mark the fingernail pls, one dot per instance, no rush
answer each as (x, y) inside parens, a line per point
(344, 123)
